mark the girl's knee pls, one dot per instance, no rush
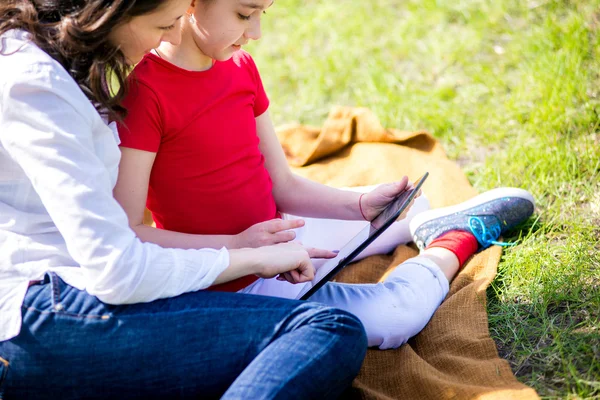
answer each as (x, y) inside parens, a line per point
(401, 327)
(399, 320)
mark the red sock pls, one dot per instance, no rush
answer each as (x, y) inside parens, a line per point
(462, 243)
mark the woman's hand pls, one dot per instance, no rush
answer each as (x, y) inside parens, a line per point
(374, 202)
(289, 261)
(267, 233)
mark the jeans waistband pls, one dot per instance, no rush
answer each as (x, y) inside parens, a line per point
(41, 281)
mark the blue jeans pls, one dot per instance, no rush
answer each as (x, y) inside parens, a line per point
(197, 345)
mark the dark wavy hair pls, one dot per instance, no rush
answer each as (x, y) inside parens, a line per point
(75, 33)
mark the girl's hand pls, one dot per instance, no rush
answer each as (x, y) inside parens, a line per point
(374, 202)
(290, 262)
(267, 233)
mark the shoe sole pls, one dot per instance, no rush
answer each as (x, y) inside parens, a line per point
(483, 198)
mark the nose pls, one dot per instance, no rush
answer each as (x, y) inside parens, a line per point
(253, 32)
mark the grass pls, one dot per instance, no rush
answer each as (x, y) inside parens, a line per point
(512, 89)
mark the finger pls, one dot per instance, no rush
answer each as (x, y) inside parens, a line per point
(278, 225)
(404, 213)
(305, 272)
(401, 185)
(391, 190)
(283, 237)
(295, 223)
(387, 191)
(288, 277)
(308, 275)
(320, 253)
(295, 275)
(302, 278)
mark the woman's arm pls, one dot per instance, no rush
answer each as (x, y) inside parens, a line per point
(291, 261)
(300, 196)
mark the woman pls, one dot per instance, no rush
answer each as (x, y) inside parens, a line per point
(86, 309)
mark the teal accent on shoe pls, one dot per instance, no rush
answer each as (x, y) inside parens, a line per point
(486, 237)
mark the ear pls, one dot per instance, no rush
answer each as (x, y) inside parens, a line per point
(192, 7)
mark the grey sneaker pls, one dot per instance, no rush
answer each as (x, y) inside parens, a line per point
(487, 216)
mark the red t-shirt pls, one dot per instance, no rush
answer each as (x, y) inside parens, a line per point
(209, 175)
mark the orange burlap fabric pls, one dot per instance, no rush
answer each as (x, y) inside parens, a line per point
(454, 356)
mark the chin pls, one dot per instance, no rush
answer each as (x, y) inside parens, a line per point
(139, 58)
(224, 56)
(133, 60)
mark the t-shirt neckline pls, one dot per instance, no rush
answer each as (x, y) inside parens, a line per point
(183, 71)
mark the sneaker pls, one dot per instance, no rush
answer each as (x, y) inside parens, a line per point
(487, 216)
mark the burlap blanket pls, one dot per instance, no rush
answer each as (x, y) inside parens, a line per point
(454, 356)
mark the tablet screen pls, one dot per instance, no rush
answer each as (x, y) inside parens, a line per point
(365, 237)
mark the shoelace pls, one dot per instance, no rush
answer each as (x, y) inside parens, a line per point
(486, 237)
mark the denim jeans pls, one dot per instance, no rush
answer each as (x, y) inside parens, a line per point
(197, 345)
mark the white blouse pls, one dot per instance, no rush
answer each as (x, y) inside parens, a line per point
(58, 167)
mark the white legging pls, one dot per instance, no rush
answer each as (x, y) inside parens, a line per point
(392, 311)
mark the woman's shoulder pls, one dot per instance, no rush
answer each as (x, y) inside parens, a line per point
(21, 60)
(19, 55)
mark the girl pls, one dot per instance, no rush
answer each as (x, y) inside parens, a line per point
(199, 145)
(86, 309)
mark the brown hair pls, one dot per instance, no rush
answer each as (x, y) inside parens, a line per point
(75, 33)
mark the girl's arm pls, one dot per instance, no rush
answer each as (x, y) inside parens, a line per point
(131, 192)
(300, 196)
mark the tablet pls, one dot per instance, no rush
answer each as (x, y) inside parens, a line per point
(362, 240)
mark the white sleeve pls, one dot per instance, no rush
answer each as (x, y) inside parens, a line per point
(46, 130)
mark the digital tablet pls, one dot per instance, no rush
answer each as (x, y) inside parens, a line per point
(363, 239)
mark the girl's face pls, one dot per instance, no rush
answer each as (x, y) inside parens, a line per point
(143, 33)
(222, 27)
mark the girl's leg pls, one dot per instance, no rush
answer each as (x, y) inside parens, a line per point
(332, 234)
(397, 309)
(202, 344)
(400, 307)
(392, 311)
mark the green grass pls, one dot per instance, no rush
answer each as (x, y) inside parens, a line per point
(512, 89)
